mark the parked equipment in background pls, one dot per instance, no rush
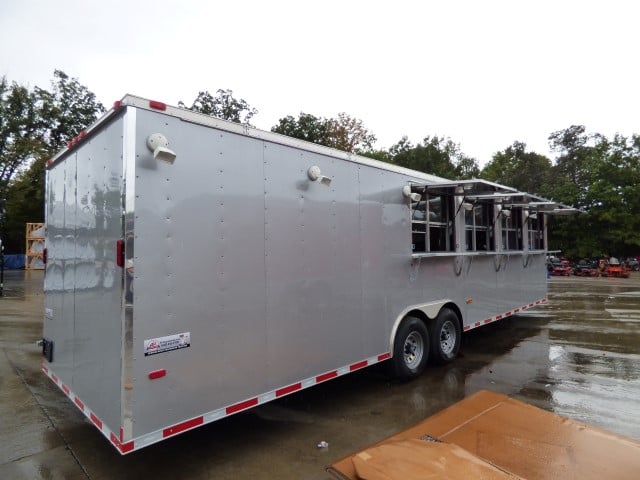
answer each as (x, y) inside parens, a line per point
(586, 268)
(196, 268)
(614, 268)
(559, 269)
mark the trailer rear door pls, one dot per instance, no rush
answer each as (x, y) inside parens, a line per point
(83, 283)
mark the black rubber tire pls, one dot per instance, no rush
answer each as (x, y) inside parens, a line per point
(410, 349)
(446, 336)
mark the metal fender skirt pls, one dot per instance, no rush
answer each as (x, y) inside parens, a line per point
(489, 435)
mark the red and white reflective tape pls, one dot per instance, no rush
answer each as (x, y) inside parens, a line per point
(515, 311)
(169, 431)
(123, 448)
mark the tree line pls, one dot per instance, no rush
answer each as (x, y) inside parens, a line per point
(597, 174)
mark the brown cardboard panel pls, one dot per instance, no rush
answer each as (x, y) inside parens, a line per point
(534, 443)
(419, 460)
(523, 440)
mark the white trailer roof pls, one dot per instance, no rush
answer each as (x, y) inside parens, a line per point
(470, 189)
(246, 130)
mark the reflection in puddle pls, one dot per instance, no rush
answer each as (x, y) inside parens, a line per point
(583, 363)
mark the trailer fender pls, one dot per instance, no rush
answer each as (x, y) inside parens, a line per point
(430, 309)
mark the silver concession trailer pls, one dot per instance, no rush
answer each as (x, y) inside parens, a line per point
(196, 268)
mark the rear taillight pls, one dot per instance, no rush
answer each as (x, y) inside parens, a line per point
(120, 253)
(44, 256)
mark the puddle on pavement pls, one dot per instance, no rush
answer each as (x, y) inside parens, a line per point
(22, 284)
(583, 363)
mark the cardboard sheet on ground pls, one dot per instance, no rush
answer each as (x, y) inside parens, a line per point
(419, 460)
(509, 437)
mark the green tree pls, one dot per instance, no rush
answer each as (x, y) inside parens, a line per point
(466, 168)
(349, 134)
(569, 183)
(613, 199)
(343, 133)
(25, 201)
(21, 133)
(515, 167)
(306, 127)
(34, 124)
(21, 140)
(224, 105)
(436, 156)
(66, 110)
(574, 168)
(600, 176)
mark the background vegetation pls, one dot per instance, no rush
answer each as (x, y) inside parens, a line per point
(590, 171)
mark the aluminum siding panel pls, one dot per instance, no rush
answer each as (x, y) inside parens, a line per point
(478, 282)
(82, 282)
(312, 265)
(373, 256)
(98, 280)
(59, 239)
(199, 268)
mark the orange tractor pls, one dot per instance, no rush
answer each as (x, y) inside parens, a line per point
(613, 268)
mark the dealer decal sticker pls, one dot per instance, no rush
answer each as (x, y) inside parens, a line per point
(166, 344)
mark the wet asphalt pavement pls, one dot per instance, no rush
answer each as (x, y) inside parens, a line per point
(578, 356)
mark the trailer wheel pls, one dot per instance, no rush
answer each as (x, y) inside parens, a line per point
(445, 337)
(410, 349)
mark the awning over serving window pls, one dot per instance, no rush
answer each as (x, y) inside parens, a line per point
(463, 187)
(483, 190)
(538, 204)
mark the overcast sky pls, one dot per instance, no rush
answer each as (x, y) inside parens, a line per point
(484, 73)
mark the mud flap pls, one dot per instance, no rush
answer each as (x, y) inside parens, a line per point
(47, 349)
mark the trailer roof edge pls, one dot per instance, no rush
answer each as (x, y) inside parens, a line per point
(246, 130)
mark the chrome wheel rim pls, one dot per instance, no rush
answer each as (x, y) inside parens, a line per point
(448, 337)
(413, 350)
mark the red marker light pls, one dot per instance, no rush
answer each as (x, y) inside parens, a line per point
(157, 374)
(157, 105)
